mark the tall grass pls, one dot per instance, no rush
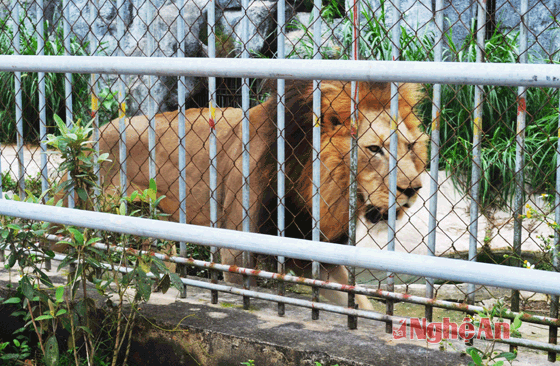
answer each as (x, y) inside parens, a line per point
(498, 142)
(54, 83)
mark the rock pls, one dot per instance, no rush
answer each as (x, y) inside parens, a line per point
(164, 27)
(262, 24)
(543, 39)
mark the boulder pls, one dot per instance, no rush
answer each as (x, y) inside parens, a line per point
(262, 23)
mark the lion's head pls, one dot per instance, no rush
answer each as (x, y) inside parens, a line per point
(374, 131)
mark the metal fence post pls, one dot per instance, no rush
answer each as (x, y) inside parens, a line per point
(316, 155)
(553, 330)
(353, 189)
(434, 158)
(68, 82)
(393, 156)
(520, 152)
(281, 176)
(42, 98)
(18, 102)
(477, 129)
(212, 122)
(181, 132)
(246, 124)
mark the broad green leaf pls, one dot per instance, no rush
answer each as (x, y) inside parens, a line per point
(26, 288)
(164, 283)
(61, 312)
(77, 235)
(82, 193)
(12, 300)
(517, 321)
(510, 356)
(60, 123)
(122, 209)
(59, 294)
(52, 352)
(475, 355)
(43, 317)
(176, 280)
(153, 185)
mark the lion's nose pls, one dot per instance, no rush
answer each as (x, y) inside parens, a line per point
(410, 191)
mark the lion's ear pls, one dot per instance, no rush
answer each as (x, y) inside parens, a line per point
(409, 97)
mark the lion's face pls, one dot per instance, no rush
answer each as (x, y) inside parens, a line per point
(374, 133)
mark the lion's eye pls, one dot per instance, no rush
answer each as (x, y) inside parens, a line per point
(411, 146)
(375, 149)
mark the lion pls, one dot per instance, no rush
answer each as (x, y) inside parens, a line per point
(374, 130)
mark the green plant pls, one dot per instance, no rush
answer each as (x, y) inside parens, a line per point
(55, 95)
(109, 108)
(46, 308)
(544, 259)
(72, 145)
(32, 184)
(54, 83)
(20, 350)
(331, 11)
(488, 355)
(498, 138)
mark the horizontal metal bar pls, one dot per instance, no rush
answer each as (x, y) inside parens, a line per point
(530, 75)
(413, 264)
(333, 285)
(316, 305)
(537, 319)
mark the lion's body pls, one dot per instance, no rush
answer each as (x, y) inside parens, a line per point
(374, 130)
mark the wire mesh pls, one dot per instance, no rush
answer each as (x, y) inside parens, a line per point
(506, 134)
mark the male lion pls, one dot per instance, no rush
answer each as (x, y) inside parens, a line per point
(373, 165)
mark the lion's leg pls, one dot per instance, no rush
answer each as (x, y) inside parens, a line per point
(339, 274)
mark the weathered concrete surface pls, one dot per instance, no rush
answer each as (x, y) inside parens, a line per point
(227, 335)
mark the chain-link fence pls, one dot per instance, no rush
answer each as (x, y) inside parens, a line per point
(460, 171)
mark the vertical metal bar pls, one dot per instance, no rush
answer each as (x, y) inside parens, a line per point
(281, 175)
(42, 108)
(123, 182)
(151, 101)
(352, 204)
(68, 84)
(19, 103)
(246, 138)
(520, 152)
(181, 96)
(316, 205)
(42, 98)
(434, 158)
(477, 128)
(213, 153)
(393, 147)
(94, 93)
(553, 331)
